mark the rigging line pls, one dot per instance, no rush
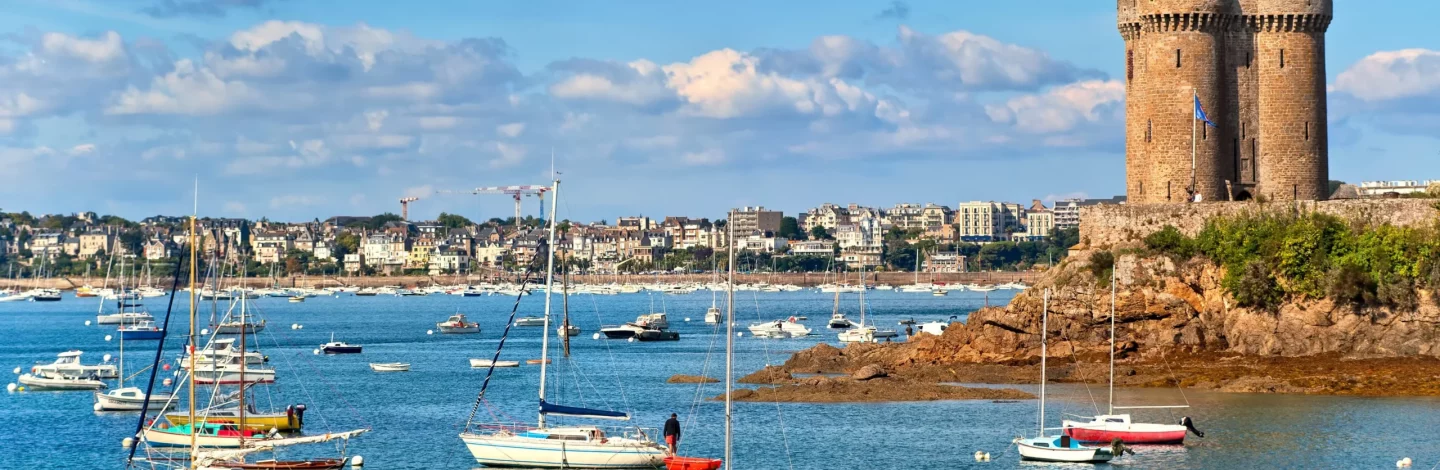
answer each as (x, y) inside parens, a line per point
(159, 350)
(779, 414)
(1075, 359)
(1166, 361)
(704, 373)
(524, 278)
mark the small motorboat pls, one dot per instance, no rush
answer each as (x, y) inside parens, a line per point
(907, 322)
(838, 321)
(60, 382)
(789, 326)
(655, 334)
(144, 330)
(530, 321)
(295, 299)
(566, 332)
(653, 320)
(339, 347)
(626, 331)
(481, 363)
(68, 364)
(535, 362)
(457, 324)
(390, 366)
(676, 462)
(939, 292)
(129, 399)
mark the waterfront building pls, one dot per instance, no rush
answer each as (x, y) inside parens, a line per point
(755, 219)
(825, 248)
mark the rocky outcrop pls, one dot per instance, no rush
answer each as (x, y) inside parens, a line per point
(691, 379)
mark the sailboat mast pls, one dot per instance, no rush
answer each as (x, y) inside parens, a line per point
(191, 344)
(1112, 344)
(1044, 330)
(243, 361)
(730, 334)
(549, 284)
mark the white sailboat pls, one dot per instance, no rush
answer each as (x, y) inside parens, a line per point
(1055, 448)
(543, 446)
(864, 332)
(124, 398)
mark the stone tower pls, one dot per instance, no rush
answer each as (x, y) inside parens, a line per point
(1258, 68)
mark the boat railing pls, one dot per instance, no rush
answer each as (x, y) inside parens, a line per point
(627, 432)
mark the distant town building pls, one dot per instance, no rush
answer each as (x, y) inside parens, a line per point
(1381, 188)
(948, 262)
(749, 220)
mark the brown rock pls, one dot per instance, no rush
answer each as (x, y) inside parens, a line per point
(872, 371)
(691, 379)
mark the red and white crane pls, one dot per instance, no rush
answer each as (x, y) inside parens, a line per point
(514, 191)
(405, 207)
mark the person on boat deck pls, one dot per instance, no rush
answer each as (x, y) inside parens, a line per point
(672, 434)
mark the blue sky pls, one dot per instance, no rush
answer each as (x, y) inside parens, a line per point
(297, 109)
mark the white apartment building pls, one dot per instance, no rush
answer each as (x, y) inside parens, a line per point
(1380, 188)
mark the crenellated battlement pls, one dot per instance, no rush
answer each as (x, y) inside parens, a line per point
(1176, 22)
(1288, 23)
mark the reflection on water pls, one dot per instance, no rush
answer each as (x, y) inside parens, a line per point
(416, 415)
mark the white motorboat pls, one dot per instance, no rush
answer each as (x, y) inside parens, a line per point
(68, 364)
(479, 363)
(628, 330)
(390, 366)
(123, 318)
(1055, 448)
(129, 399)
(657, 321)
(457, 324)
(936, 328)
(530, 321)
(713, 316)
(787, 328)
(568, 332)
(60, 382)
(838, 321)
(939, 292)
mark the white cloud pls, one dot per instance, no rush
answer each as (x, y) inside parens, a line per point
(375, 119)
(82, 149)
(1062, 108)
(705, 157)
(511, 130)
(509, 155)
(235, 208)
(1388, 75)
(728, 84)
(638, 83)
(269, 32)
(19, 105)
(107, 48)
(188, 90)
(438, 122)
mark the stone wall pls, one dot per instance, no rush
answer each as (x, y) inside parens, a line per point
(1107, 226)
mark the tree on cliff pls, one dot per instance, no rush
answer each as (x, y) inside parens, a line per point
(819, 233)
(790, 229)
(453, 220)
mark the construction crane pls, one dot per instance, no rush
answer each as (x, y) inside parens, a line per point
(405, 207)
(514, 191)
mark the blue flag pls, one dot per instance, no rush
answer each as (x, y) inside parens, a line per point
(1200, 113)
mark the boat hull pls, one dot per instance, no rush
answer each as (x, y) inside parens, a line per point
(392, 367)
(518, 452)
(692, 463)
(319, 464)
(141, 335)
(232, 377)
(1127, 433)
(447, 329)
(658, 335)
(341, 349)
(1072, 454)
(129, 399)
(40, 383)
(259, 422)
(479, 363)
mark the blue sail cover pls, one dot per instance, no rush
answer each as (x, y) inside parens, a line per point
(552, 409)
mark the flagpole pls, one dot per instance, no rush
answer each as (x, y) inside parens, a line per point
(1194, 98)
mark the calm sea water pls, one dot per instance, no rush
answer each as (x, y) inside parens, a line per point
(416, 415)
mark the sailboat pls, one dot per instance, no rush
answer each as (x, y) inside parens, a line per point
(1111, 426)
(865, 332)
(713, 315)
(1060, 448)
(201, 436)
(124, 398)
(544, 446)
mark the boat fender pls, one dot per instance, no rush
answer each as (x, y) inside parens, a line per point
(1185, 421)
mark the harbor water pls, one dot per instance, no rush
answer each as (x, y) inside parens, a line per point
(416, 415)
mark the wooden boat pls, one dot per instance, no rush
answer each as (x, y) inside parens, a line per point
(479, 363)
(317, 464)
(390, 366)
(292, 419)
(210, 435)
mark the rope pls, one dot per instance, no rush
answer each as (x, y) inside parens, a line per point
(1076, 360)
(159, 350)
(524, 277)
(779, 414)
